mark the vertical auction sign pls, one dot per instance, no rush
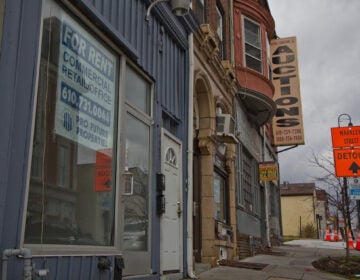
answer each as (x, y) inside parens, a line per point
(287, 123)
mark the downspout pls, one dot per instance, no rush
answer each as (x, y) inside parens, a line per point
(190, 152)
(23, 252)
(266, 196)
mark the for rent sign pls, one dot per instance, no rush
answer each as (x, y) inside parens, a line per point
(287, 123)
(85, 88)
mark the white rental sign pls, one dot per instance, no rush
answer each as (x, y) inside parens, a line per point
(85, 89)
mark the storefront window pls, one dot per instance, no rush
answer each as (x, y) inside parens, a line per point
(72, 186)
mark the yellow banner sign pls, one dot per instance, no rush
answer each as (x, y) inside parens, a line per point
(287, 123)
(268, 171)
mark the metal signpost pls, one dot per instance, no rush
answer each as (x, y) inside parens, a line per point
(346, 148)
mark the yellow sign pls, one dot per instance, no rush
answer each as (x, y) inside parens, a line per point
(287, 123)
(268, 171)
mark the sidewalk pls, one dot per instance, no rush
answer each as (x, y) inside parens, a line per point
(291, 261)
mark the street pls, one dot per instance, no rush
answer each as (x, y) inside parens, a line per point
(291, 261)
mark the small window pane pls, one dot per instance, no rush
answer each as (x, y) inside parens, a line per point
(137, 91)
(252, 33)
(253, 63)
(252, 51)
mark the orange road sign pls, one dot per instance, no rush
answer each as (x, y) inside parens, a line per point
(346, 136)
(347, 162)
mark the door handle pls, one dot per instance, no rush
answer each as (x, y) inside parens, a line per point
(179, 211)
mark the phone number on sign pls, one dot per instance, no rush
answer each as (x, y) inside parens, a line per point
(78, 101)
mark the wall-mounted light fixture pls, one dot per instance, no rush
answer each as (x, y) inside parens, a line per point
(178, 7)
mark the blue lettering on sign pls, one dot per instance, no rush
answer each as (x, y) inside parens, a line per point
(76, 100)
(354, 191)
(82, 47)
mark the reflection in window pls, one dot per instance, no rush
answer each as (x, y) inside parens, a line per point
(63, 172)
(136, 205)
(72, 186)
(220, 198)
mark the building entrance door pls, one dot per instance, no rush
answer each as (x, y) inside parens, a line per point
(171, 237)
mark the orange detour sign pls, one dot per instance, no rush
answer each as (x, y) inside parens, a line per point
(346, 147)
(103, 171)
(347, 162)
(345, 137)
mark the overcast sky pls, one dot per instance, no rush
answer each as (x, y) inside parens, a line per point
(328, 41)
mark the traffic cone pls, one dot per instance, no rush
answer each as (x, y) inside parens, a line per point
(350, 241)
(327, 234)
(357, 247)
(333, 236)
(339, 235)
